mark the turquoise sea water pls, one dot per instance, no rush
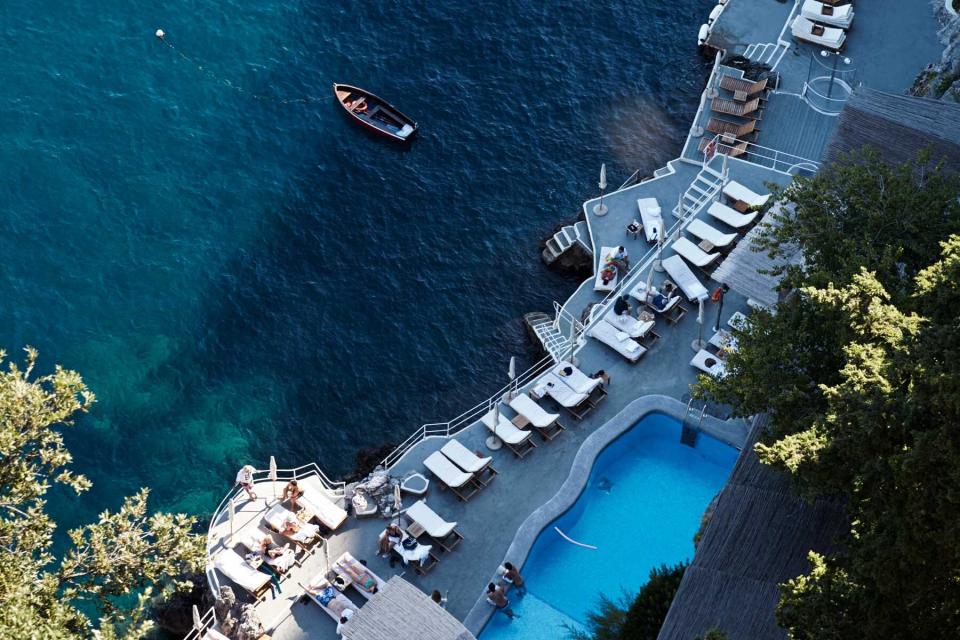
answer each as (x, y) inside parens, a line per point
(640, 509)
(237, 277)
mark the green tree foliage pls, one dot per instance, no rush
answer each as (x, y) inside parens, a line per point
(641, 618)
(860, 370)
(113, 564)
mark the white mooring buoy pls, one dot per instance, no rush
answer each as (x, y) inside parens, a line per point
(160, 33)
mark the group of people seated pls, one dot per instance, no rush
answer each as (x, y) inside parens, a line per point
(619, 262)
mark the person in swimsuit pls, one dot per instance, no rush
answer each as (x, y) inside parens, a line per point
(498, 598)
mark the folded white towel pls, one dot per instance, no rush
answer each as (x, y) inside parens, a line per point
(632, 346)
(623, 336)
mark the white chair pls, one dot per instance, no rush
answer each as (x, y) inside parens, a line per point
(700, 229)
(239, 571)
(278, 515)
(633, 327)
(835, 16)
(684, 278)
(577, 379)
(460, 482)
(739, 193)
(694, 254)
(606, 254)
(617, 340)
(520, 442)
(326, 511)
(829, 37)
(650, 215)
(547, 424)
(469, 461)
(575, 402)
(729, 216)
(444, 533)
(709, 363)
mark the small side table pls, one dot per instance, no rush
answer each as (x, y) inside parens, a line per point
(634, 228)
(520, 422)
(306, 515)
(706, 245)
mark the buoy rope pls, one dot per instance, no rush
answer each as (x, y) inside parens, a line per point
(162, 37)
(572, 541)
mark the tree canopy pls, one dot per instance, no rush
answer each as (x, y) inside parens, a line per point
(113, 565)
(860, 371)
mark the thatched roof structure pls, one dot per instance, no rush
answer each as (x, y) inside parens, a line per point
(898, 127)
(748, 271)
(758, 537)
(400, 611)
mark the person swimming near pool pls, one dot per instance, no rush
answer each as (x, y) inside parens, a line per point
(497, 597)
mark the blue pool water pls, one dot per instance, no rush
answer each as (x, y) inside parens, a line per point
(240, 277)
(641, 508)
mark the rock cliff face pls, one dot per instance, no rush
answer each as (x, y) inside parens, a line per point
(941, 79)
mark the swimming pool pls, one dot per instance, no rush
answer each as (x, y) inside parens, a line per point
(641, 508)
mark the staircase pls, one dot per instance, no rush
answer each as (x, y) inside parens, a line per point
(565, 238)
(545, 329)
(706, 185)
(769, 53)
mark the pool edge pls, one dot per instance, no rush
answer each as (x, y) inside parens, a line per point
(729, 432)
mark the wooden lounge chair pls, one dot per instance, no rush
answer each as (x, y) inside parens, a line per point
(463, 484)
(673, 312)
(694, 254)
(307, 535)
(361, 577)
(576, 402)
(743, 89)
(735, 129)
(547, 424)
(520, 442)
(714, 236)
(242, 574)
(749, 109)
(470, 462)
(580, 382)
(733, 148)
(425, 520)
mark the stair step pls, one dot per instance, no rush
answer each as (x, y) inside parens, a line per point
(695, 187)
(562, 241)
(570, 234)
(711, 171)
(553, 247)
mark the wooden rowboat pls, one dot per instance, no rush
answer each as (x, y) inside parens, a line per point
(374, 113)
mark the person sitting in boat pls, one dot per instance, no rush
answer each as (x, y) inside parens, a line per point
(358, 106)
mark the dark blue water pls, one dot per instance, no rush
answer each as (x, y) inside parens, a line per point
(237, 277)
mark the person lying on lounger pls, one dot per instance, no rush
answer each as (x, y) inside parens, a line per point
(359, 575)
(297, 530)
(281, 558)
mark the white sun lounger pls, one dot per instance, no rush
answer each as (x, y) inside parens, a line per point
(729, 216)
(831, 37)
(700, 229)
(469, 461)
(320, 589)
(278, 515)
(325, 510)
(576, 379)
(445, 533)
(519, 441)
(547, 424)
(650, 215)
(361, 577)
(684, 278)
(633, 327)
(639, 293)
(840, 15)
(605, 254)
(617, 340)
(239, 571)
(694, 254)
(739, 193)
(460, 482)
(560, 391)
(709, 363)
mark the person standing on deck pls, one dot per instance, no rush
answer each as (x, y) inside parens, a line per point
(245, 480)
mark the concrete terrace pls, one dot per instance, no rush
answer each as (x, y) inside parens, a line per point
(891, 41)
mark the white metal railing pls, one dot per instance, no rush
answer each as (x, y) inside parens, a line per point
(207, 621)
(775, 159)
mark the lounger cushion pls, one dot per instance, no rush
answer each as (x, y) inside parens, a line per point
(464, 458)
(560, 391)
(651, 217)
(606, 253)
(505, 430)
(529, 409)
(714, 236)
(427, 518)
(446, 471)
(694, 254)
(630, 326)
(740, 193)
(328, 512)
(606, 333)
(684, 278)
(729, 216)
(576, 379)
(717, 369)
(239, 571)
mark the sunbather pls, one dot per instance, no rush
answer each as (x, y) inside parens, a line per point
(291, 492)
(622, 257)
(512, 576)
(393, 535)
(245, 480)
(297, 530)
(608, 273)
(622, 306)
(497, 597)
(281, 558)
(359, 575)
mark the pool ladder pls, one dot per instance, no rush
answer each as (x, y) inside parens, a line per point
(688, 435)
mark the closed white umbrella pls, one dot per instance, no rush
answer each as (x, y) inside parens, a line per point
(272, 474)
(649, 283)
(493, 440)
(601, 209)
(661, 240)
(724, 170)
(698, 344)
(512, 374)
(397, 501)
(196, 619)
